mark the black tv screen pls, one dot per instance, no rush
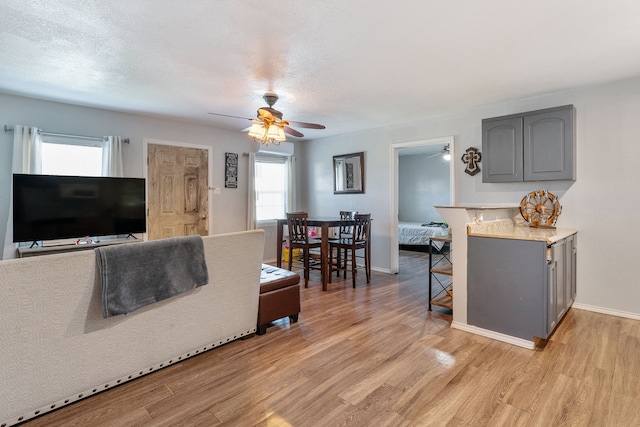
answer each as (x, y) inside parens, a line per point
(49, 207)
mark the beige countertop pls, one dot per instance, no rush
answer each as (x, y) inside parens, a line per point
(478, 207)
(510, 229)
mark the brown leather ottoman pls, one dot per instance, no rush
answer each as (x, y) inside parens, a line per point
(279, 296)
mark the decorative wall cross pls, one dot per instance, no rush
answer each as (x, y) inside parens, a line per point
(471, 158)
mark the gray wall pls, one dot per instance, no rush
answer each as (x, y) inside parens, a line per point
(423, 182)
(229, 208)
(601, 204)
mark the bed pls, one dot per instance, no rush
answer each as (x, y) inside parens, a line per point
(418, 234)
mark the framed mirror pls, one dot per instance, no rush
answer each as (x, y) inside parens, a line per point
(348, 173)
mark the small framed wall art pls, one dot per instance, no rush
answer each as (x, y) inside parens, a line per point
(348, 173)
(231, 170)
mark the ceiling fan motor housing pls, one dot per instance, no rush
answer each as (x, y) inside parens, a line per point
(270, 98)
(267, 113)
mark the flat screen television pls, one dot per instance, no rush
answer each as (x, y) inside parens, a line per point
(49, 207)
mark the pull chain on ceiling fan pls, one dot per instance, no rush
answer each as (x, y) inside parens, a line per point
(269, 127)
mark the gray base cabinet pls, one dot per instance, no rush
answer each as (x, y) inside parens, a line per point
(520, 288)
(533, 146)
(562, 279)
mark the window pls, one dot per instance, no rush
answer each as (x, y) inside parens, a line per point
(69, 156)
(271, 183)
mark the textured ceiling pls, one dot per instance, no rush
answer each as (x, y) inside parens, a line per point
(349, 65)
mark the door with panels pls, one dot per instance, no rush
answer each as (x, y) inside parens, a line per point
(177, 182)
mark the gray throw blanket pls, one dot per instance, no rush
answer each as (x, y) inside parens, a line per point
(139, 274)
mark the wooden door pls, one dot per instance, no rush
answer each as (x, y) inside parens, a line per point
(178, 191)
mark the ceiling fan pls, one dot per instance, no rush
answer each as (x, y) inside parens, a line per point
(268, 127)
(445, 153)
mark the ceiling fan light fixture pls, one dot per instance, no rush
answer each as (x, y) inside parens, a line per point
(266, 133)
(272, 132)
(447, 154)
(257, 130)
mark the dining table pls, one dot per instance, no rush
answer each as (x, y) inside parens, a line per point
(325, 223)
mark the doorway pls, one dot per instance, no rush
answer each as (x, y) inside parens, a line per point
(432, 145)
(177, 189)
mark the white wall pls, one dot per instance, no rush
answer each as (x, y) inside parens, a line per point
(229, 208)
(602, 203)
(423, 182)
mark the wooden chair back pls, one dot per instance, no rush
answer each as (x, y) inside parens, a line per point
(297, 225)
(346, 229)
(361, 227)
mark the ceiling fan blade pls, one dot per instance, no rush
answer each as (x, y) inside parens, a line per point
(233, 117)
(293, 132)
(306, 125)
(439, 153)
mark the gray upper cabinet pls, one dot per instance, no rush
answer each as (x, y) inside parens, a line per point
(502, 149)
(534, 146)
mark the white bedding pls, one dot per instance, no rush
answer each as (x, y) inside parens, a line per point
(413, 233)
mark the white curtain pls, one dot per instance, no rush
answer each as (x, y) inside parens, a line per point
(27, 158)
(251, 193)
(112, 156)
(291, 189)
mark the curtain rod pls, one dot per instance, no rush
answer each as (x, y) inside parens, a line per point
(66, 135)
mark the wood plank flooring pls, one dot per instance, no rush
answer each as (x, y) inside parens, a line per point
(374, 356)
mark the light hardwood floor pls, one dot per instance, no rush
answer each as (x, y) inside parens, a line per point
(374, 356)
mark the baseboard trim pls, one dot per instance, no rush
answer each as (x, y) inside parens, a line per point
(530, 345)
(608, 311)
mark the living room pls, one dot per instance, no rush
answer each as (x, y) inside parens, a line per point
(603, 173)
(599, 203)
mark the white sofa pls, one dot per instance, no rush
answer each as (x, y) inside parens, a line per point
(56, 348)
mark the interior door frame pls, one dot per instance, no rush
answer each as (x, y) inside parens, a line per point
(145, 170)
(395, 151)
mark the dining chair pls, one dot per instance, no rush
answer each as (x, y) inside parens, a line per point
(344, 231)
(299, 239)
(359, 240)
